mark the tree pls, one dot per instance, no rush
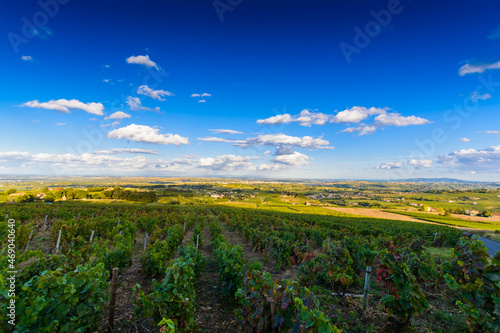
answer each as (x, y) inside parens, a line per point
(486, 213)
(45, 190)
(12, 190)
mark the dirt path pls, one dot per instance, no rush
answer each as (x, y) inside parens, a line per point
(125, 319)
(211, 313)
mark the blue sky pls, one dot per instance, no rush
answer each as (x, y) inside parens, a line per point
(304, 89)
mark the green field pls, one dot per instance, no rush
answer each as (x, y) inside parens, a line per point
(450, 220)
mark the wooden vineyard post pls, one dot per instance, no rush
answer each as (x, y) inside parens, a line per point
(118, 221)
(45, 221)
(29, 240)
(197, 241)
(7, 216)
(91, 236)
(184, 227)
(367, 288)
(58, 240)
(145, 242)
(112, 300)
(79, 215)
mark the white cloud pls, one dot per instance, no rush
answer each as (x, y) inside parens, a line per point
(362, 129)
(202, 101)
(146, 134)
(27, 58)
(494, 34)
(353, 115)
(225, 131)
(484, 160)
(135, 104)
(14, 155)
(476, 97)
(60, 124)
(195, 95)
(390, 165)
(119, 115)
(489, 132)
(154, 94)
(308, 118)
(126, 151)
(413, 162)
(421, 163)
(142, 60)
(215, 139)
(395, 119)
(357, 114)
(275, 120)
(464, 139)
(64, 105)
(479, 68)
(227, 162)
(294, 159)
(201, 95)
(279, 139)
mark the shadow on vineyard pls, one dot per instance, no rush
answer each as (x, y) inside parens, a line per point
(208, 268)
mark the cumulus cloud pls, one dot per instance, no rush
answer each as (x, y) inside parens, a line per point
(225, 131)
(464, 139)
(142, 60)
(118, 115)
(356, 114)
(483, 160)
(154, 94)
(135, 104)
(202, 101)
(420, 163)
(27, 58)
(60, 124)
(295, 159)
(228, 162)
(146, 134)
(115, 151)
(278, 139)
(352, 115)
(395, 119)
(201, 95)
(275, 120)
(477, 68)
(64, 105)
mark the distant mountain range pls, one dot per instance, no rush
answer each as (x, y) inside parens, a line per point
(438, 180)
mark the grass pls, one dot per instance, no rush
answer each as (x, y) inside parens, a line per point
(440, 252)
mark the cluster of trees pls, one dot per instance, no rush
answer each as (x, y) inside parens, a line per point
(91, 193)
(12, 190)
(462, 211)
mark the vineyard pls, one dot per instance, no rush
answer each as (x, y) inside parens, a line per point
(449, 220)
(212, 268)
